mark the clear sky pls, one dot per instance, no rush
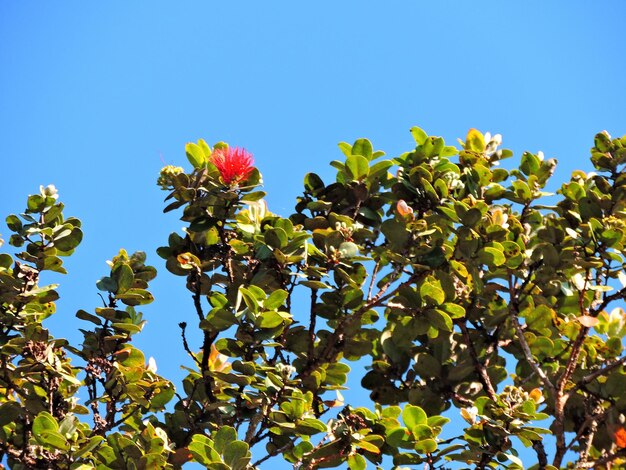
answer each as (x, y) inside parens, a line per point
(96, 97)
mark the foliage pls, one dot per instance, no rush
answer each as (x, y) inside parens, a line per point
(462, 285)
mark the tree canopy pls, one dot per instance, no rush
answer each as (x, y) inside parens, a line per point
(465, 287)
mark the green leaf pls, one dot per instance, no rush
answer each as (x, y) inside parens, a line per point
(218, 318)
(87, 447)
(162, 397)
(492, 256)
(437, 421)
(432, 293)
(269, 319)
(395, 232)
(315, 284)
(134, 297)
(9, 411)
(400, 437)
(363, 147)
(14, 223)
(454, 310)
(310, 426)
(44, 421)
(345, 148)
(83, 315)
(413, 415)
(368, 446)
(276, 238)
(53, 263)
(426, 446)
(418, 135)
(107, 284)
(357, 462)
(357, 167)
(439, 319)
(131, 357)
(5, 261)
(422, 431)
(276, 299)
(475, 141)
(201, 447)
(69, 242)
(253, 196)
(380, 168)
(52, 439)
(127, 327)
(195, 155)
(249, 299)
(223, 438)
(313, 182)
(35, 203)
(123, 275)
(236, 455)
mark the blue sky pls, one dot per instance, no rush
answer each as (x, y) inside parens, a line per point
(96, 96)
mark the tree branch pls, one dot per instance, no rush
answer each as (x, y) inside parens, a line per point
(542, 457)
(561, 396)
(182, 326)
(604, 460)
(479, 366)
(600, 372)
(528, 355)
(312, 321)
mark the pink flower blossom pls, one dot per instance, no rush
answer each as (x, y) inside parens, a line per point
(233, 163)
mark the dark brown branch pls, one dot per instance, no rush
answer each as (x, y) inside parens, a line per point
(312, 321)
(197, 297)
(209, 337)
(603, 371)
(329, 351)
(182, 326)
(604, 460)
(479, 366)
(620, 294)
(542, 457)
(561, 396)
(528, 355)
(274, 453)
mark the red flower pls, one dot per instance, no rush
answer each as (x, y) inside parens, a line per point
(233, 163)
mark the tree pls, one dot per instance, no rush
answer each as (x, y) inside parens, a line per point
(462, 284)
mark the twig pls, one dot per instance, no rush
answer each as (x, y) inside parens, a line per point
(337, 335)
(604, 460)
(480, 367)
(528, 355)
(274, 453)
(182, 326)
(600, 372)
(620, 294)
(197, 297)
(373, 280)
